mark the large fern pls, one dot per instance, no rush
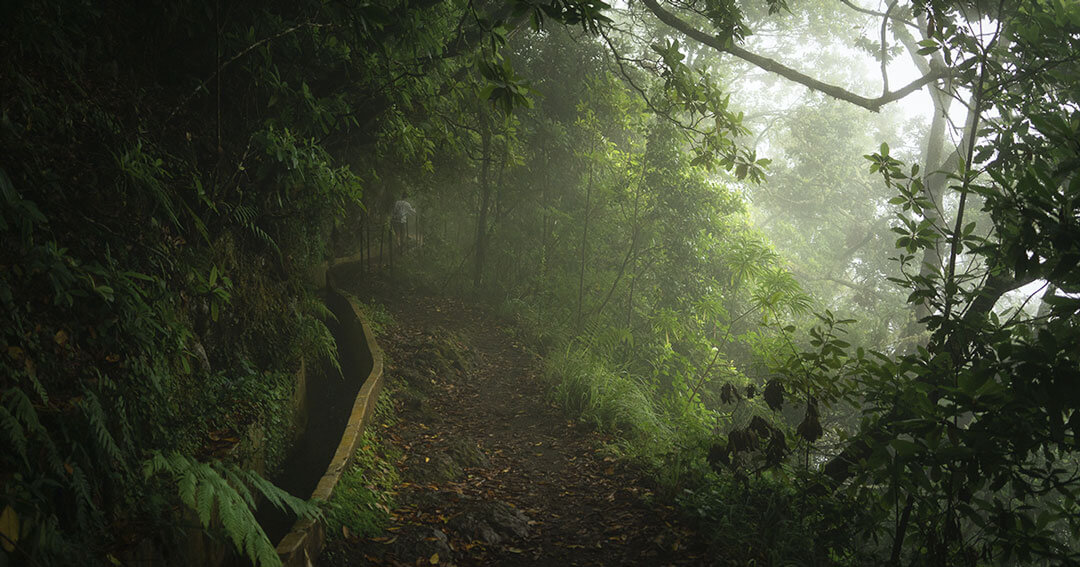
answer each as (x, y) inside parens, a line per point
(245, 216)
(213, 487)
(314, 335)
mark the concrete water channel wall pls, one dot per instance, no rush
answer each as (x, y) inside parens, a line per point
(338, 407)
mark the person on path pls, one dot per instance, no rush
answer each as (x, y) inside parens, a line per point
(399, 219)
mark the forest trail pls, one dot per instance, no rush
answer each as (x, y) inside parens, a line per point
(492, 473)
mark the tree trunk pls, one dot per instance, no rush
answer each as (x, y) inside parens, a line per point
(584, 246)
(485, 200)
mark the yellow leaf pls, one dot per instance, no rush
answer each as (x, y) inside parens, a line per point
(61, 337)
(9, 528)
(434, 559)
(14, 352)
(113, 358)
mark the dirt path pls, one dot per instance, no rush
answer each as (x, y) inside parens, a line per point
(493, 473)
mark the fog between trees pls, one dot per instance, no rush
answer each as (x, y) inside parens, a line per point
(735, 240)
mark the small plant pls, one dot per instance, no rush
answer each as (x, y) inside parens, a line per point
(363, 497)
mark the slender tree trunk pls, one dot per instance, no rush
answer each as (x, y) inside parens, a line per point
(485, 200)
(631, 252)
(937, 165)
(584, 246)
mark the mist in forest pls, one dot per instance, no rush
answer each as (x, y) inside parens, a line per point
(808, 268)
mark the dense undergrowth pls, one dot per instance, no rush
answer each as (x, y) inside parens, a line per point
(172, 175)
(153, 275)
(942, 438)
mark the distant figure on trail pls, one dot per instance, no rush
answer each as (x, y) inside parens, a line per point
(399, 219)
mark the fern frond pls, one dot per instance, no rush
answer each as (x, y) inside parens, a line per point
(318, 308)
(282, 499)
(23, 409)
(80, 484)
(205, 487)
(186, 487)
(245, 216)
(15, 435)
(232, 476)
(205, 503)
(94, 413)
(39, 388)
(155, 464)
(265, 553)
(315, 335)
(232, 519)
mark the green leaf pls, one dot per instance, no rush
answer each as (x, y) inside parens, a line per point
(904, 447)
(186, 488)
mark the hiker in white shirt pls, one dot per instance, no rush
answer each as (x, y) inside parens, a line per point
(399, 219)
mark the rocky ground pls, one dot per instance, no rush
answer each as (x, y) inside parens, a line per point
(492, 473)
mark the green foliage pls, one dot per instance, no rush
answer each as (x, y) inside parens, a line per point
(163, 198)
(162, 201)
(222, 496)
(376, 314)
(363, 497)
(965, 440)
(768, 520)
(610, 399)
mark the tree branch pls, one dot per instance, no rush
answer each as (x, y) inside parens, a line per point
(641, 91)
(875, 13)
(772, 66)
(241, 53)
(885, 49)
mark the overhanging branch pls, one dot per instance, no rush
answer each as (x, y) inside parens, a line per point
(773, 66)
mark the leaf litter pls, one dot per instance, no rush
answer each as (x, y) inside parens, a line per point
(492, 473)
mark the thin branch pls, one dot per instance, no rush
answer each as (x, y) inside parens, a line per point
(772, 66)
(641, 91)
(972, 132)
(245, 51)
(875, 13)
(885, 49)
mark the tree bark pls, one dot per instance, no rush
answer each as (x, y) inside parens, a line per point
(584, 245)
(772, 66)
(485, 200)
